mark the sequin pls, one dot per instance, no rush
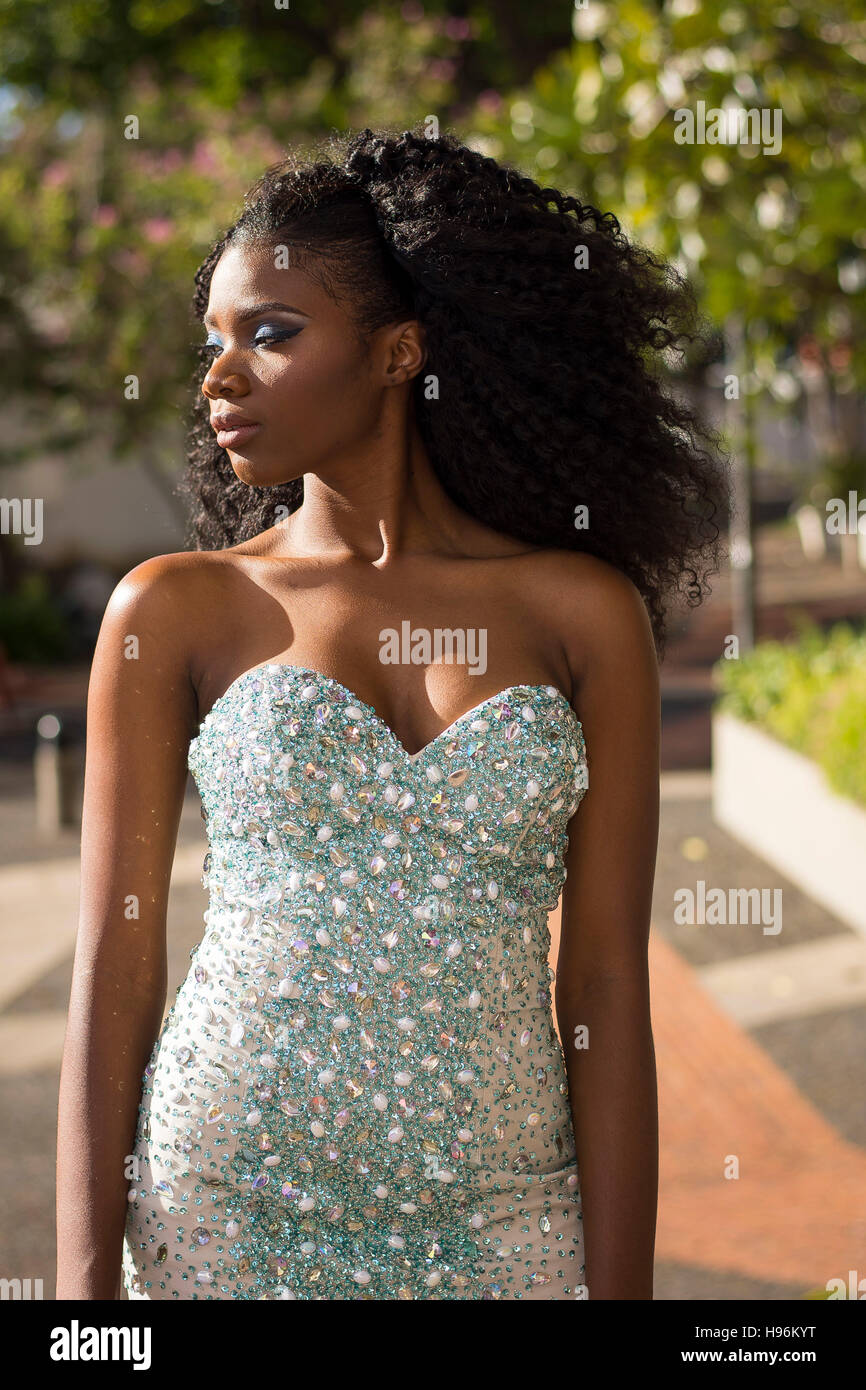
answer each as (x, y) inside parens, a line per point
(358, 1091)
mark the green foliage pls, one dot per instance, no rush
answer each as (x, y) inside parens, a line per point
(32, 628)
(98, 250)
(843, 475)
(775, 237)
(129, 135)
(811, 695)
(842, 733)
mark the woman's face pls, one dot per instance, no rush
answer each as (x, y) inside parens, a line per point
(297, 371)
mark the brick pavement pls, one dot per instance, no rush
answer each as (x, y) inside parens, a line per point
(797, 1212)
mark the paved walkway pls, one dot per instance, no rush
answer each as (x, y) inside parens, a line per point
(761, 1053)
(796, 1212)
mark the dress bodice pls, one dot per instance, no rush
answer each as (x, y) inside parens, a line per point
(359, 1082)
(307, 791)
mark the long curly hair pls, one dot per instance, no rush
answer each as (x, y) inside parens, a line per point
(550, 375)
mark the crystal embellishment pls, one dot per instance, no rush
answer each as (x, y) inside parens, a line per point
(358, 1092)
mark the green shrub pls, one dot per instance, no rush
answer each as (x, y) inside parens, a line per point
(32, 628)
(810, 694)
(841, 732)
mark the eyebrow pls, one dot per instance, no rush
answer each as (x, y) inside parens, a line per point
(252, 311)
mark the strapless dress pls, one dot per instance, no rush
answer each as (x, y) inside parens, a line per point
(358, 1091)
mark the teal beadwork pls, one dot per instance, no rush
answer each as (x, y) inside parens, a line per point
(358, 1092)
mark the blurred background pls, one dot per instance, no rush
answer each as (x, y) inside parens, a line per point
(129, 133)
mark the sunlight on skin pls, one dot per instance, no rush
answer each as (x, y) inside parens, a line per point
(554, 923)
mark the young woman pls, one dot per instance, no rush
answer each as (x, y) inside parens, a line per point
(441, 501)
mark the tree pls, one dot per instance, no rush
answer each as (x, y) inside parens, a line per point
(774, 238)
(129, 134)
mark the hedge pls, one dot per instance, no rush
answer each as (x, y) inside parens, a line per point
(810, 694)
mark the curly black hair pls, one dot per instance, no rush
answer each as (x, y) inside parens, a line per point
(551, 375)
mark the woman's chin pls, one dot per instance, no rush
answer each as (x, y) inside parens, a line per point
(259, 475)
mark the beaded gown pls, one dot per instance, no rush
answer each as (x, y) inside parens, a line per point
(358, 1092)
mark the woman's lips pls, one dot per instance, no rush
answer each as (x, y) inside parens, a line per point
(230, 438)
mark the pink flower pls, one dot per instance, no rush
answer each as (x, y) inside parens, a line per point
(131, 263)
(56, 175)
(490, 100)
(105, 215)
(457, 28)
(442, 69)
(203, 161)
(158, 229)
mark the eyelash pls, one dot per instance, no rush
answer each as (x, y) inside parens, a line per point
(279, 336)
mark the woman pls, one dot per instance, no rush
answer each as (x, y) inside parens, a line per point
(441, 500)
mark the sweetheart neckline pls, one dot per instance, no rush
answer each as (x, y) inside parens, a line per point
(371, 709)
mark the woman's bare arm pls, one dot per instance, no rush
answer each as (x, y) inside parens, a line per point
(141, 714)
(602, 978)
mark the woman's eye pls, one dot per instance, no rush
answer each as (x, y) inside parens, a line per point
(275, 335)
(263, 338)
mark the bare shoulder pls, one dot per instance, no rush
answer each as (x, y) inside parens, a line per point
(600, 613)
(177, 586)
(582, 579)
(201, 603)
(146, 595)
(167, 601)
(156, 580)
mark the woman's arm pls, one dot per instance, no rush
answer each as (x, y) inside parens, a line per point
(141, 713)
(602, 979)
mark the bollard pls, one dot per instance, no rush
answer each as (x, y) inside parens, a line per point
(55, 774)
(812, 532)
